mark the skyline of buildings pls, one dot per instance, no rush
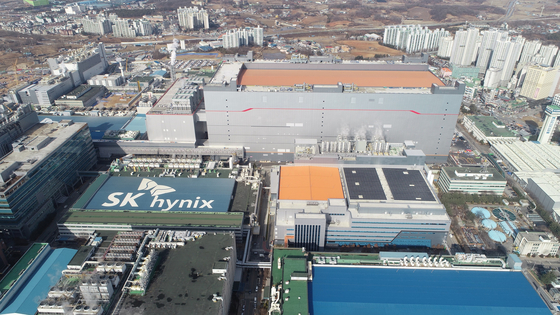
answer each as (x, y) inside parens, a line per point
(378, 123)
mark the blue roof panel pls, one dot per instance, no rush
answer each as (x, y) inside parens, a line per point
(388, 291)
(138, 123)
(97, 125)
(40, 282)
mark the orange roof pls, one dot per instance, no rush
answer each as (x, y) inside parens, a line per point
(272, 77)
(310, 183)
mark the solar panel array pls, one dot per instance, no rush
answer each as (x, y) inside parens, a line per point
(407, 184)
(363, 183)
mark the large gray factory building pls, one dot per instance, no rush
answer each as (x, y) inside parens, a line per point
(285, 112)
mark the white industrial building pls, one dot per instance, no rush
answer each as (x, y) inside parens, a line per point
(316, 207)
(545, 188)
(74, 8)
(106, 80)
(487, 128)
(68, 72)
(535, 166)
(472, 180)
(166, 120)
(536, 243)
(527, 156)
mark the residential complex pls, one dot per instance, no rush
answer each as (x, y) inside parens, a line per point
(243, 37)
(413, 38)
(503, 59)
(465, 46)
(97, 26)
(193, 18)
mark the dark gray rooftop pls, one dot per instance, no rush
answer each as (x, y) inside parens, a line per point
(364, 183)
(407, 184)
(183, 282)
(80, 256)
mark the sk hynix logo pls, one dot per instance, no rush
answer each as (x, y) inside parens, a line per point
(156, 190)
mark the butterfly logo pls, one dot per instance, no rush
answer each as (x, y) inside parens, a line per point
(154, 188)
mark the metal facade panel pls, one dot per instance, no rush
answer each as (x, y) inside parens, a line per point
(242, 118)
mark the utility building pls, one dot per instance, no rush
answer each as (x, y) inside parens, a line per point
(536, 243)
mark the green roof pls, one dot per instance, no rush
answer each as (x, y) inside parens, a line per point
(351, 258)
(154, 218)
(20, 266)
(293, 262)
(489, 126)
(297, 302)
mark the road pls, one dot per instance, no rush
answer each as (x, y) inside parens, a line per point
(482, 148)
(510, 10)
(254, 280)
